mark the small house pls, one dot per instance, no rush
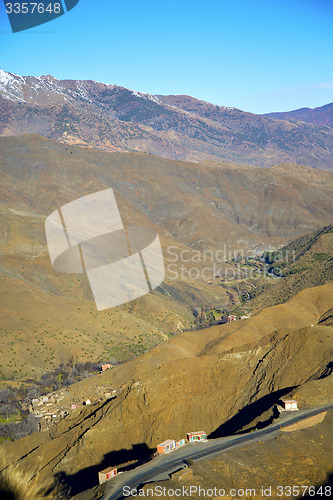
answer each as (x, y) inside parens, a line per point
(166, 446)
(232, 317)
(74, 407)
(107, 474)
(194, 437)
(290, 405)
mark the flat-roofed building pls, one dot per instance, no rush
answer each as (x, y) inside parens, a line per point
(166, 446)
(107, 474)
(194, 437)
(289, 405)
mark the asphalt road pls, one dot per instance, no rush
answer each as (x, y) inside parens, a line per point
(165, 464)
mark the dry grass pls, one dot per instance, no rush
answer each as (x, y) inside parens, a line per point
(19, 484)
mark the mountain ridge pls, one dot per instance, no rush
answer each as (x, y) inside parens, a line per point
(113, 118)
(322, 115)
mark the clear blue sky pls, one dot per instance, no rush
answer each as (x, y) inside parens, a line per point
(256, 55)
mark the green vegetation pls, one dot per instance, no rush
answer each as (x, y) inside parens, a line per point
(303, 263)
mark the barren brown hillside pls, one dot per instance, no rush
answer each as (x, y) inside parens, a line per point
(220, 379)
(48, 317)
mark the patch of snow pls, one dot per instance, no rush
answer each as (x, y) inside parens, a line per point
(145, 95)
(11, 86)
(107, 84)
(5, 77)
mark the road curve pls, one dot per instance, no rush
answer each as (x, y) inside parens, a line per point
(165, 464)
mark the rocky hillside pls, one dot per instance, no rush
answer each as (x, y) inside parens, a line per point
(307, 261)
(220, 379)
(114, 118)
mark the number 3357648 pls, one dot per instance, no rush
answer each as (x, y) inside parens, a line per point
(32, 8)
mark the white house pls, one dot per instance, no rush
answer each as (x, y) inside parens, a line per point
(290, 405)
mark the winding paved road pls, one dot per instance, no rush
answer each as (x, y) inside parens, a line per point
(163, 465)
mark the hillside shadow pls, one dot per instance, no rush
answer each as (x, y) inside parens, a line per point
(87, 478)
(6, 494)
(249, 413)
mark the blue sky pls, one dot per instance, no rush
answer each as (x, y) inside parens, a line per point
(256, 55)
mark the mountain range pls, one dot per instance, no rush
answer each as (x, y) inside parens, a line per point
(189, 170)
(113, 118)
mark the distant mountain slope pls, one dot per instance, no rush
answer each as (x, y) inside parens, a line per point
(193, 207)
(305, 262)
(114, 118)
(320, 116)
(202, 205)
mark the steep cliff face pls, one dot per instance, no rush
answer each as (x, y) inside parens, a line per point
(221, 379)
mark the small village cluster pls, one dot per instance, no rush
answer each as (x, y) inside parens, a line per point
(55, 406)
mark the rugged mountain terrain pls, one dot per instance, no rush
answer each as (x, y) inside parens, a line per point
(307, 261)
(319, 116)
(48, 317)
(114, 118)
(221, 380)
